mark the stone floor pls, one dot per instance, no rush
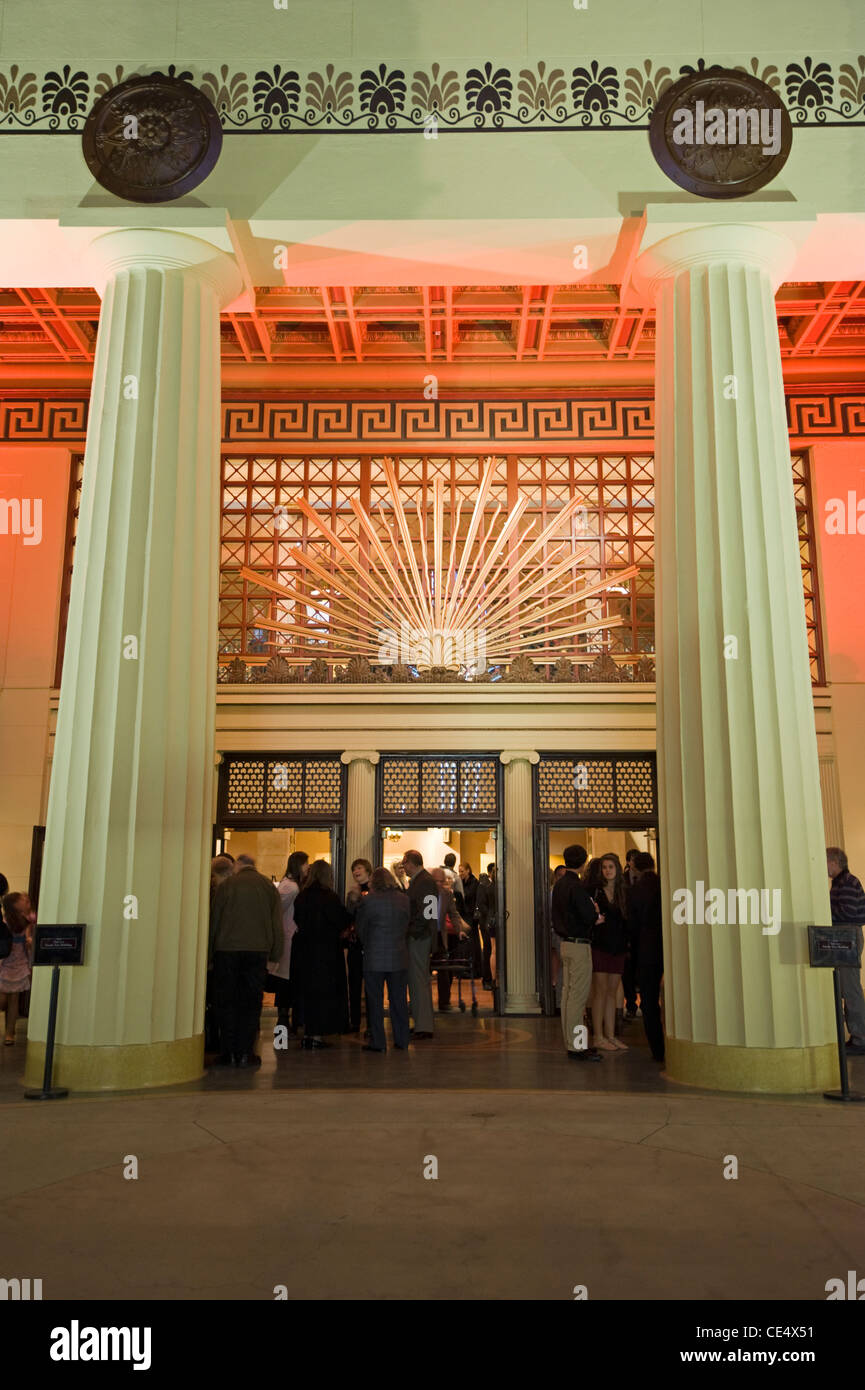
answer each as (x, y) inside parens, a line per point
(310, 1174)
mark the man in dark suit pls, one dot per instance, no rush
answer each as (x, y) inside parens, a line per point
(245, 933)
(574, 918)
(423, 930)
(645, 910)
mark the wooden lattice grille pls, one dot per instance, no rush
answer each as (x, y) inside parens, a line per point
(617, 786)
(274, 786)
(452, 788)
(614, 529)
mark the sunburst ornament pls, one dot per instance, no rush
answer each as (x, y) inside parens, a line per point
(457, 588)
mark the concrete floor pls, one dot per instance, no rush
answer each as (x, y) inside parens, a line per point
(309, 1174)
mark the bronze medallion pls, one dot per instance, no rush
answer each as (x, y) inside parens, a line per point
(720, 134)
(152, 139)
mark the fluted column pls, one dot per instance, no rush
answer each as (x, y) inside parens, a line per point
(129, 817)
(738, 777)
(521, 984)
(360, 842)
(831, 798)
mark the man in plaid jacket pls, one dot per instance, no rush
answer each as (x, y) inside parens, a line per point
(847, 900)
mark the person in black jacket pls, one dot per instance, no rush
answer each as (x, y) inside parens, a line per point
(645, 915)
(574, 916)
(422, 932)
(381, 923)
(317, 956)
(605, 882)
(361, 872)
(486, 907)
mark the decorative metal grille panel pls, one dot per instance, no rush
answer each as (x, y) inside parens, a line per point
(246, 782)
(263, 529)
(400, 784)
(273, 786)
(611, 786)
(455, 788)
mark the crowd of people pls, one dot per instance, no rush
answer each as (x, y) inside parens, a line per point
(323, 957)
(16, 951)
(607, 950)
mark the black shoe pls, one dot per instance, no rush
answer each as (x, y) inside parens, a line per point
(247, 1059)
(444, 1008)
(368, 1047)
(589, 1054)
(223, 1060)
(854, 1049)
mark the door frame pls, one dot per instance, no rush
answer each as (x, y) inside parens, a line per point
(495, 826)
(543, 914)
(282, 820)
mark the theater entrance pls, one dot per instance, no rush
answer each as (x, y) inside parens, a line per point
(605, 802)
(477, 849)
(444, 805)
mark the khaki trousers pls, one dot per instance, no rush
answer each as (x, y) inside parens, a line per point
(420, 983)
(576, 982)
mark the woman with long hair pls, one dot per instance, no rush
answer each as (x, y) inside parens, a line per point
(317, 960)
(605, 882)
(382, 927)
(361, 872)
(279, 976)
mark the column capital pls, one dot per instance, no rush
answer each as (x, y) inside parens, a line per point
(675, 239)
(525, 755)
(351, 756)
(202, 251)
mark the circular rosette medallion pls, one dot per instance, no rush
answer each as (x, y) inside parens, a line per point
(152, 139)
(720, 134)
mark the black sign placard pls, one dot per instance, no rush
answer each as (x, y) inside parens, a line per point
(831, 946)
(60, 945)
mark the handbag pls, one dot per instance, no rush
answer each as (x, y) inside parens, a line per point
(5, 941)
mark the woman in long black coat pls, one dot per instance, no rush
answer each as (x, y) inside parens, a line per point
(317, 958)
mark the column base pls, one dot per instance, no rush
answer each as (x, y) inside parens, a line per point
(773, 1070)
(132, 1067)
(522, 1004)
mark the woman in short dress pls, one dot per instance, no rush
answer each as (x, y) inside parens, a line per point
(605, 882)
(15, 968)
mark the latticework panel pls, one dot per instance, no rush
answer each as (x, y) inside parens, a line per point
(451, 788)
(271, 787)
(246, 783)
(400, 787)
(263, 529)
(606, 787)
(808, 557)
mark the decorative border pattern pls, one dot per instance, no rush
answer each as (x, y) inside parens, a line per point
(384, 98)
(475, 420)
(470, 420)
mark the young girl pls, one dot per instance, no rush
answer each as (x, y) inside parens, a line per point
(15, 968)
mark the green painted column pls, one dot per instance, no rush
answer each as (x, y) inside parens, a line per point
(521, 975)
(739, 785)
(129, 818)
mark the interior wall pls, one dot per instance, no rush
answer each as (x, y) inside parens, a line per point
(30, 587)
(473, 845)
(598, 841)
(270, 848)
